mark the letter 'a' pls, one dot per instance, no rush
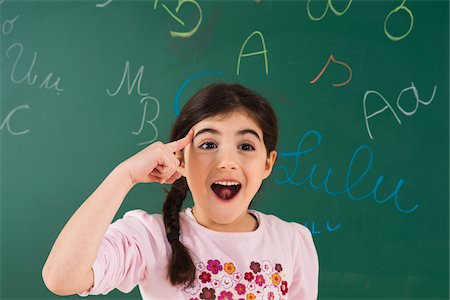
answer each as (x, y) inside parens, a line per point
(262, 52)
(386, 106)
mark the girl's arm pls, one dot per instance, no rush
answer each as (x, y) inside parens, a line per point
(68, 269)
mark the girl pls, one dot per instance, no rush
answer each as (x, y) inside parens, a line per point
(223, 147)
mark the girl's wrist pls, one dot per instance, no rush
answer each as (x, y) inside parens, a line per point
(123, 172)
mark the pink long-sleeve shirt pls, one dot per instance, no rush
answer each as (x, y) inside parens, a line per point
(276, 261)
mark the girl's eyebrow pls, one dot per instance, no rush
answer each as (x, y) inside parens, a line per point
(217, 132)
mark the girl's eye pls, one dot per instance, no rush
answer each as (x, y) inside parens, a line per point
(208, 145)
(212, 145)
(246, 147)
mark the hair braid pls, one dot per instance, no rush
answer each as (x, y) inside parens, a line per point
(181, 269)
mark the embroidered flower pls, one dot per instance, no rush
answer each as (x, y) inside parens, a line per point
(225, 296)
(267, 267)
(208, 294)
(227, 282)
(271, 292)
(237, 276)
(200, 266)
(214, 266)
(276, 279)
(230, 268)
(193, 289)
(255, 267)
(248, 276)
(251, 286)
(251, 297)
(215, 283)
(205, 277)
(260, 280)
(278, 267)
(284, 287)
(240, 289)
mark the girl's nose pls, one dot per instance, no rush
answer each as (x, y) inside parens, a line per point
(226, 160)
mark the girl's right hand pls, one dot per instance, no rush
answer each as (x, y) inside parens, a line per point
(157, 162)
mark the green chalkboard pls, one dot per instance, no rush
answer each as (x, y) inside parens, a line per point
(361, 89)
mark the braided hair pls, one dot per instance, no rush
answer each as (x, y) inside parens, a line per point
(181, 265)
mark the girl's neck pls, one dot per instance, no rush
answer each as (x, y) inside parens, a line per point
(247, 223)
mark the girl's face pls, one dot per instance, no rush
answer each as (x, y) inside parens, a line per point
(225, 165)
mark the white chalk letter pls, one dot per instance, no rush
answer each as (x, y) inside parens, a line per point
(137, 78)
(8, 118)
(387, 106)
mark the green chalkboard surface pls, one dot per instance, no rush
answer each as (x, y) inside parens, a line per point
(361, 89)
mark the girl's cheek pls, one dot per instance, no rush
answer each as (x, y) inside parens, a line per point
(201, 159)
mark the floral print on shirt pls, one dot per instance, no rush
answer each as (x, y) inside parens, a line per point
(218, 280)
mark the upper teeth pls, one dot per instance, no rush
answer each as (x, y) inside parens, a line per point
(227, 182)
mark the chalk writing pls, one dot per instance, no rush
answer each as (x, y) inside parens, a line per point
(329, 6)
(262, 52)
(8, 25)
(288, 177)
(6, 28)
(386, 105)
(177, 9)
(328, 227)
(7, 120)
(101, 5)
(397, 9)
(176, 102)
(126, 75)
(29, 77)
(326, 66)
(145, 100)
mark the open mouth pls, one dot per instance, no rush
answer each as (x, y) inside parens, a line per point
(226, 190)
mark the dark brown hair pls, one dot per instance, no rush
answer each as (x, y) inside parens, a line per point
(215, 99)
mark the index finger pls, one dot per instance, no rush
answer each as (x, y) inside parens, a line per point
(181, 143)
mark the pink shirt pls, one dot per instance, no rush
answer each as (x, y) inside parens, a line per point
(276, 261)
